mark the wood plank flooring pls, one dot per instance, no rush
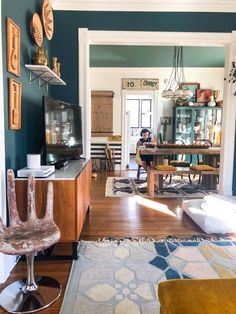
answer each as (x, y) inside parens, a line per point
(115, 217)
(134, 216)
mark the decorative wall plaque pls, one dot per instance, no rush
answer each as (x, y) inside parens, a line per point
(47, 17)
(140, 84)
(15, 89)
(36, 29)
(13, 47)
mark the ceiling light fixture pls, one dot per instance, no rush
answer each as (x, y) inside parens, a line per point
(176, 87)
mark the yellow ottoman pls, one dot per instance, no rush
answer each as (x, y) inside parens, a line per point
(198, 296)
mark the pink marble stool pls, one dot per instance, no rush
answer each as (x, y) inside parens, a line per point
(27, 238)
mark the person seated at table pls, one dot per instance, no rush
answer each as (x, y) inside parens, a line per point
(147, 160)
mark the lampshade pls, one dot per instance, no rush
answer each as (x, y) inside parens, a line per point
(176, 87)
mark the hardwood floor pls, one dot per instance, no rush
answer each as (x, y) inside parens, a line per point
(134, 216)
(115, 217)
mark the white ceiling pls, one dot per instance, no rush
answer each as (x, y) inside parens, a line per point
(222, 6)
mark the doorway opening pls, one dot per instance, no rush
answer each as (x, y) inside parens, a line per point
(140, 108)
(227, 40)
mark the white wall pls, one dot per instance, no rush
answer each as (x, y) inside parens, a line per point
(110, 79)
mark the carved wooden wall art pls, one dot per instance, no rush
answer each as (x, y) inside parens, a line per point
(47, 17)
(36, 29)
(15, 90)
(13, 47)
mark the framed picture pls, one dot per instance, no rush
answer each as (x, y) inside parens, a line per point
(204, 95)
(13, 47)
(15, 90)
(193, 87)
(165, 120)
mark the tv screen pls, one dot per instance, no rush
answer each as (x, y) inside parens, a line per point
(63, 130)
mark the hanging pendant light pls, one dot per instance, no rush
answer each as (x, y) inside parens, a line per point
(176, 87)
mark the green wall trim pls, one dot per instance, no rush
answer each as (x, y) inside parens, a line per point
(153, 56)
(67, 23)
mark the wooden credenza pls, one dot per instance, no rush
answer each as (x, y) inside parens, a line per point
(72, 190)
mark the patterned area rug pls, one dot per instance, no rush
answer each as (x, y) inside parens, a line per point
(122, 186)
(122, 276)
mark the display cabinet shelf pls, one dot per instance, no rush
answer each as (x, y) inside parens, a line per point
(194, 123)
(44, 75)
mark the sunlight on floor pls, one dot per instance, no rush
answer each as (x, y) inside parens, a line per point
(154, 205)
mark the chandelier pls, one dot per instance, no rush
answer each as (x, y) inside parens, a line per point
(176, 87)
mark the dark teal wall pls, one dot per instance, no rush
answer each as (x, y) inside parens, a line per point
(154, 56)
(30, 138)
(65, 44)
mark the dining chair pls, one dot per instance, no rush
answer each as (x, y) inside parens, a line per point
(203, 142)
(179, 162)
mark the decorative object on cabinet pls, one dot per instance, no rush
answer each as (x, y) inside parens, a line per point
(204, 95)
(43, 73)
(15, 89)
(13, 47)
(175, 86)
(36, 29)
(193, 88)
(102, 113)
(215, 94)
(47, 17)
(211, 103)
(39, 57)
(220, 103)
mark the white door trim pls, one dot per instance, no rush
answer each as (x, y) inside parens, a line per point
(226, 40)
(146, 6)
(84, 91)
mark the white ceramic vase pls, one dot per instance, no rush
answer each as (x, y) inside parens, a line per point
(211, 103)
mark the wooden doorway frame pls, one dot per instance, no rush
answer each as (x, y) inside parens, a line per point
(226, 40)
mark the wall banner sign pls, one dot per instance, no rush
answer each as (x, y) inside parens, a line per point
(140, 84)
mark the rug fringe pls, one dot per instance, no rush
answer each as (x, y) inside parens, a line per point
(169, 238)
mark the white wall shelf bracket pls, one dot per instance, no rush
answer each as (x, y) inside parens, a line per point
(44, 74)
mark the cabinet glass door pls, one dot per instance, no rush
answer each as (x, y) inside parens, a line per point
(213, 123)
(183, 129)
(199, 129)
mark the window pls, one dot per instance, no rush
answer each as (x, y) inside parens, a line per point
(146, 113)
(141, 112)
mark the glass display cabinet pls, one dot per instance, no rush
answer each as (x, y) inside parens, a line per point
(194, 123)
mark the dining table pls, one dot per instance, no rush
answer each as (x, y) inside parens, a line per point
(210, 156)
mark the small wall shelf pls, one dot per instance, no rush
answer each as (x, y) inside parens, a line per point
(45, 74)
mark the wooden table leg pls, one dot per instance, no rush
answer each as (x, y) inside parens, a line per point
(209, 181)
(150, 183)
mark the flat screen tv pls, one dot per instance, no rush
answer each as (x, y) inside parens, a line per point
(63, 130)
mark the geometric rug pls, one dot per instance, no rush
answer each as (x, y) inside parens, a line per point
(123, 186)
(122, 276)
